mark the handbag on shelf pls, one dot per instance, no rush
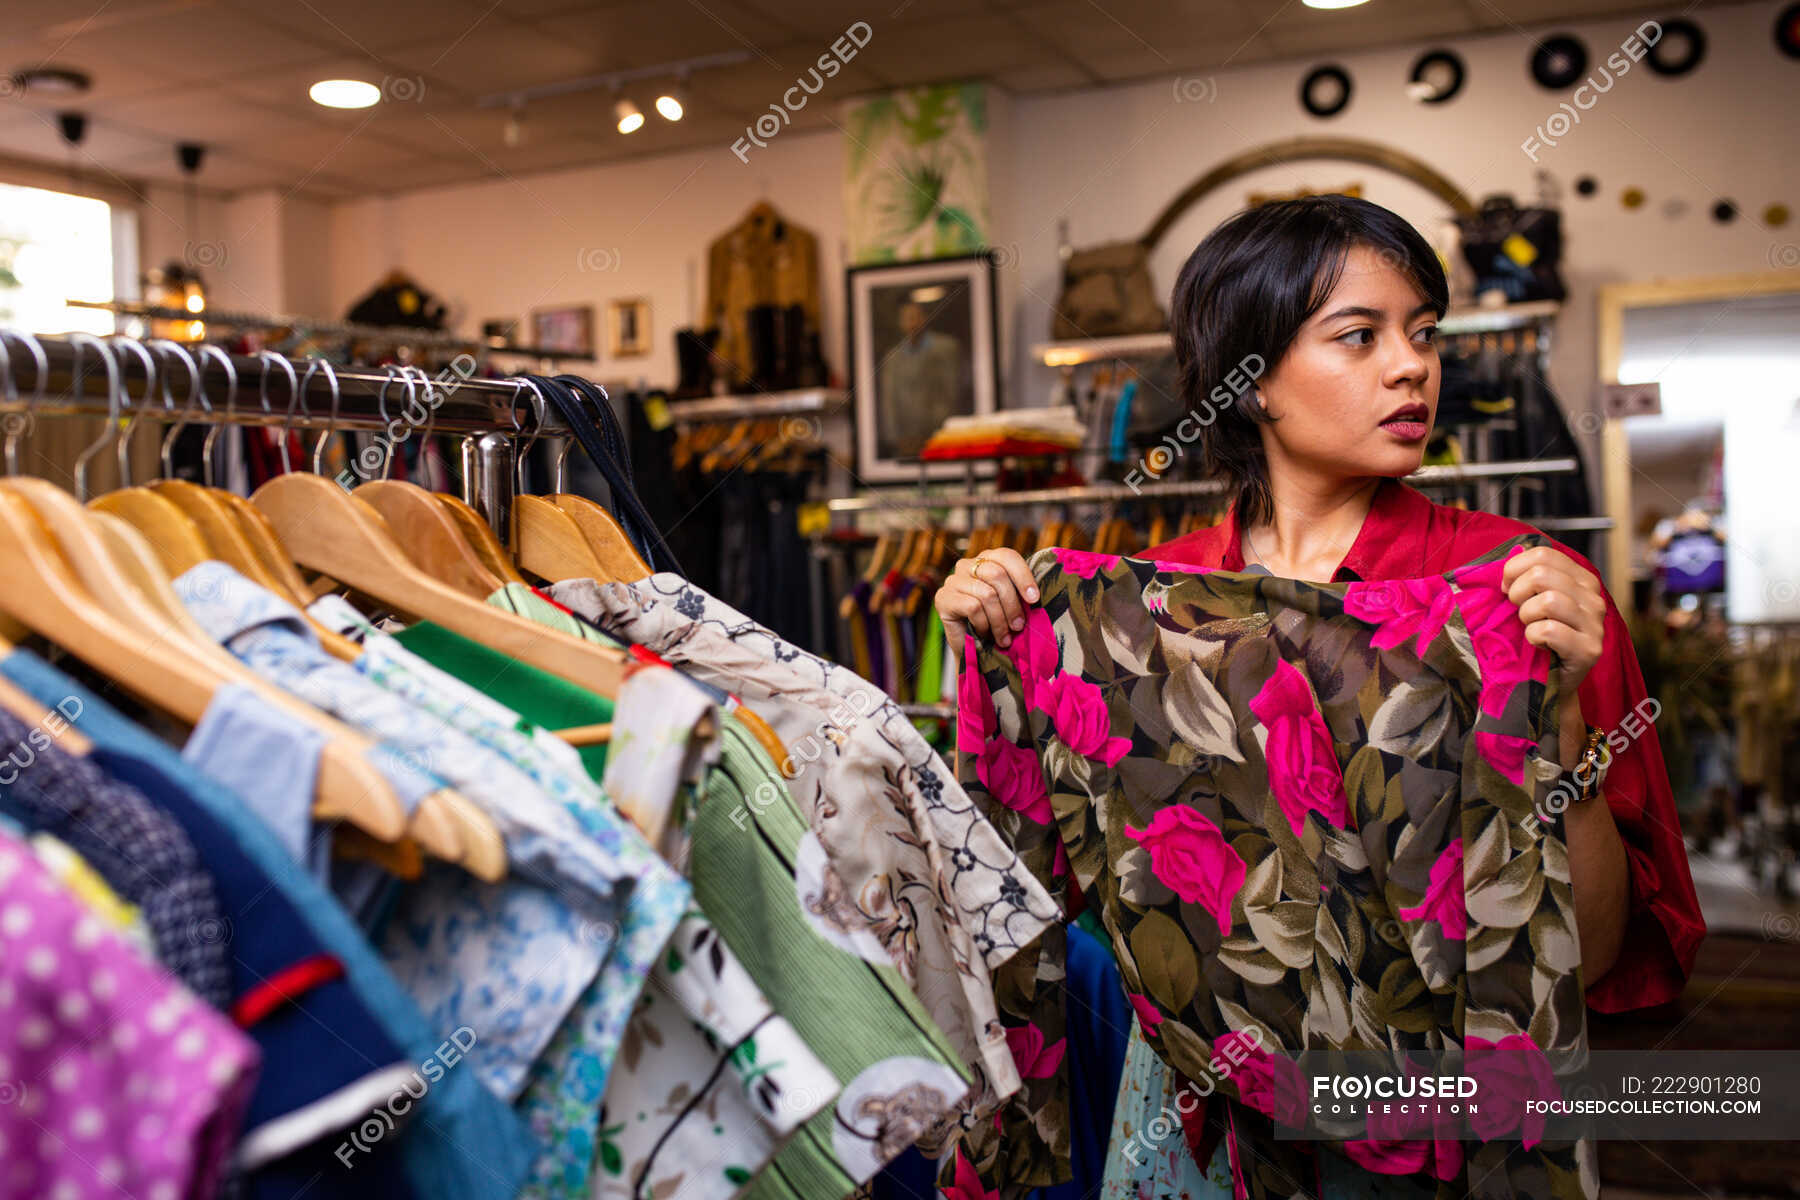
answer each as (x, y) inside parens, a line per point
(1107, 291)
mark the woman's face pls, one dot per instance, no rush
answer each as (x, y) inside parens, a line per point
(1357, 391)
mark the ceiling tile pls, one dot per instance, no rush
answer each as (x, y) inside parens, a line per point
(644, 32)
(497, 59)
(208, 116)
(33, 134)
(1044, 77)
(824, 20)
(938, 51)
(1313, 31)
(406, 91)
(363, 28)
(1085, 29)
(749, 88)
(1506, 14)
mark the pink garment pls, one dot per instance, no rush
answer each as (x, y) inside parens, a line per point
(115, 1080)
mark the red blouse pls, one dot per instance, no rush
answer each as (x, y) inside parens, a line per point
(1406, 536)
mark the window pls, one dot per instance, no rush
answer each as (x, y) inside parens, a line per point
(54, 247)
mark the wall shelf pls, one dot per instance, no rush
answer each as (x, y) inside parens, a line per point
(760, 404)
(913, 501)
(1154, 345)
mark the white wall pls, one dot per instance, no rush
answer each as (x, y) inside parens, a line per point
(1109, 160)
(498, 250)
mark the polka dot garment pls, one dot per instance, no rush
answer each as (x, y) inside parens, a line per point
(115, 1080)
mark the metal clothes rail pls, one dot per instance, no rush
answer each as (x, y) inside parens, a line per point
(405, 335)
(1120, 493)
(158, 386)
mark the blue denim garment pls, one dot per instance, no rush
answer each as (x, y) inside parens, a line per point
(462, 1143)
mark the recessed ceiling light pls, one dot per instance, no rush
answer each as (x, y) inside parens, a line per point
(630, 118)
(1333, 3)
(344, 93)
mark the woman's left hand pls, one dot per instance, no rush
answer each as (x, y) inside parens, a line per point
(1562, 606)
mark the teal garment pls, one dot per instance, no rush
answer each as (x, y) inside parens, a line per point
(750, 863)
(1148, 1154)
(566, 1083)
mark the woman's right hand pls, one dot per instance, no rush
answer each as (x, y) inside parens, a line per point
(987, 594)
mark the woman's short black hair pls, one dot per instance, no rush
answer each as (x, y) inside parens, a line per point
(1242, 297)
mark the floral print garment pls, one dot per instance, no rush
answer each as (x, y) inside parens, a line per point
(1304, 810)
(902, 867)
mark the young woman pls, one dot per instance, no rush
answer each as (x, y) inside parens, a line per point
(1341, 298)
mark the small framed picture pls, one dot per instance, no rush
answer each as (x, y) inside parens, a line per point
(564, 330)
(628, 327)
(924, 347)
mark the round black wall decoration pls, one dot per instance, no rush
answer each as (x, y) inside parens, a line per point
(1558, 61)
(1586, 186)
(1326, 90)
(1787, 31)
(1436, 76)
(1679, 49)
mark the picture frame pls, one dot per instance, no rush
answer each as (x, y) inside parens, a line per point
(628, 327)
(566, 330)
(924, 346)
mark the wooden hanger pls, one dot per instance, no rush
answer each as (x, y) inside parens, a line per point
(548, 543)
(224, 535)
(57, 606)
(329, 530)
(481, 538)
(884, 550)
(29, 709)
(439, 821)
(174, 537)
(430, 536)
(605, 537)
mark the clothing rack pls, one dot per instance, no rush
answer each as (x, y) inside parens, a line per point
(490, 413)
(402, 334)
(1120, 493)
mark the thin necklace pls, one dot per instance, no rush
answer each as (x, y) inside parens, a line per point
(1250, 540)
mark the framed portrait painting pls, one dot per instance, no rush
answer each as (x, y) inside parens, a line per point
(923, 348)
(567, 330)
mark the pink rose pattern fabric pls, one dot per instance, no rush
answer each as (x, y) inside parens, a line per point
(1304, 808)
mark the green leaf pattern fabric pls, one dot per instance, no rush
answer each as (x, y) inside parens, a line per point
(1307, 815)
